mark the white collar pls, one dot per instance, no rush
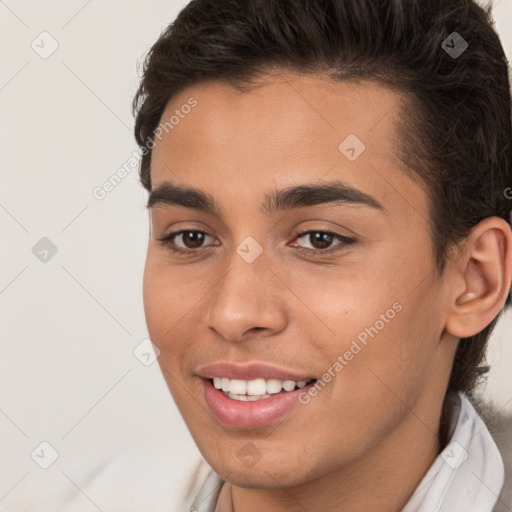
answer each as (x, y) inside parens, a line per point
(467, 476)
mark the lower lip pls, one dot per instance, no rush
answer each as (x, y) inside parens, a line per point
(242, 414)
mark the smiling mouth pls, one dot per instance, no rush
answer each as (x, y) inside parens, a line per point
(256, 389)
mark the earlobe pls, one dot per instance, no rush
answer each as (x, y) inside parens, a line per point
(481, 278)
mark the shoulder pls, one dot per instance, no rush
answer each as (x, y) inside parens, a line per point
(156, 474)
(204, 487)
(499, 425)
(502, 433)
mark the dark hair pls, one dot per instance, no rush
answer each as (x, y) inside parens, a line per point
(456, 132)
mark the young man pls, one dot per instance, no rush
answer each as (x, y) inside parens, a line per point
(330, 248)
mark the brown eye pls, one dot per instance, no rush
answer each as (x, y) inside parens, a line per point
(322, 240)
(191, 239)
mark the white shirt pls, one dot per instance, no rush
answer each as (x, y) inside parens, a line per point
(467, 476)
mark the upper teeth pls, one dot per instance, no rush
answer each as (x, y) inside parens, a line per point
(256, 386)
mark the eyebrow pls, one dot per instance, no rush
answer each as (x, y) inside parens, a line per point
(299, 196)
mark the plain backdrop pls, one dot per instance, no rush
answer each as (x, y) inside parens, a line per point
(71, 311)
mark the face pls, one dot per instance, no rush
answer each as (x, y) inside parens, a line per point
(335, 284)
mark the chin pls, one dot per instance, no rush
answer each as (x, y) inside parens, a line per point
(262, 478)
(265, 473)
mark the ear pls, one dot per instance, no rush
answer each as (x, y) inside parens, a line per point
(480, 278)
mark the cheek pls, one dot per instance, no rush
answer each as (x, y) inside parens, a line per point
(165, 312)
(398, 349)
(167, 293)
(166, 303)
(155, 302)
(386, 328)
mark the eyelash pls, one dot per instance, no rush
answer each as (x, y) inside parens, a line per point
(167, 242)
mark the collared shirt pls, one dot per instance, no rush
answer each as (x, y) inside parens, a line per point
(467, 476)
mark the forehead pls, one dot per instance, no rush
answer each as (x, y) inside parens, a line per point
(291, 129)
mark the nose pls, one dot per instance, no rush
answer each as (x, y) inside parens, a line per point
(248, 299)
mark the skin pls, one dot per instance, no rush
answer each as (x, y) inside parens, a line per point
(367, 439)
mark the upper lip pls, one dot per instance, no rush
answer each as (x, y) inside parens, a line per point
(249, 372)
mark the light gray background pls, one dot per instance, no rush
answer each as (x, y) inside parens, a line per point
(69, 326)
